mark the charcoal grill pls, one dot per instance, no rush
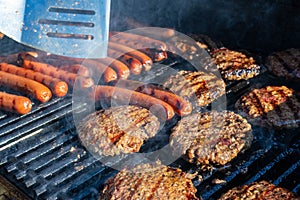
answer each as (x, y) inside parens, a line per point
(42, 156)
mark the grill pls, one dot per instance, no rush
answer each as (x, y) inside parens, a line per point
(42, 156)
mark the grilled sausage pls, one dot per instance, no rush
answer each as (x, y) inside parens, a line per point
(58, 87)
(162, 34)
(181, 106)
(136, 41)
(78, 69)
(15, 103)
(95, 68)
(122, 70)
(155, 49)
(36, 89)
(106, 93)
(143, 58)
(134, 65)
(155, 55)
(29, 62)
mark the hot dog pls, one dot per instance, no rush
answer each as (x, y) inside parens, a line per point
(78, 69)
(121, 95)
(58, 87)
(28, 62)
(34, 88)
(95, 68)
(155, 55)
(14, 103)
(143, 58)
(137, 41)
(153, 51)
(181, 106)
(122, 70)
(134, 65)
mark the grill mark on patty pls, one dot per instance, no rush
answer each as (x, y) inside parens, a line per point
(295, 60)
(275, 103)
(132, 126)
(284, 65)
(205, 87)
(136, 186)
(155, 188)
(258, 104)
(270, 188)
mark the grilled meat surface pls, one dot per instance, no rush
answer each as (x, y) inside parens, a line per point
(258, 190)
(285, 64)
(235, 65)
(274, 106)
(118, 130)
(199, 87)
(211, 138)
(151, 182)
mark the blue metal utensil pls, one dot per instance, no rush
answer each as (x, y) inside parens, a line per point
(74, 28)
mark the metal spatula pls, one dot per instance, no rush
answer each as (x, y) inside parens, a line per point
(74, 28)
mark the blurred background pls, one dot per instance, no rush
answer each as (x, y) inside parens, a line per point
(261, 26)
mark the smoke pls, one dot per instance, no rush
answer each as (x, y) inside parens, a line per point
(262, 25)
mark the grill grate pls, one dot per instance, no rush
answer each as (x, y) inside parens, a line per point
(41, 154)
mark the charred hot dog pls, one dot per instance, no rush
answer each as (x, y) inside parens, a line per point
(34, 88)
(29, 62)
(58, 87)
(14, 103)
(181, 106)
(122, 95)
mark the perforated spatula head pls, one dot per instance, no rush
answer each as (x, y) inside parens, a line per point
(73, 28)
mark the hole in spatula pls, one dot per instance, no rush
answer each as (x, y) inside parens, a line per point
(72, 11)
(70, 36)
(65, 23)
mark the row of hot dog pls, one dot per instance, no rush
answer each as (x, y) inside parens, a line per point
(42, 75)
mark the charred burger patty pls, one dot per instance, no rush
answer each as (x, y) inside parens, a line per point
(212, 137)
(275, 106)
(235, 65)
(151, 182)
(118, 130)
(258, 190)
(285, 63)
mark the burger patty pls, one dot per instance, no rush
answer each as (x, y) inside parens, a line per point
(235, 65)
(274, 106)
(258, 190)
(118, 129)
(211, 138)
(199, 87)
(150, 182)
(285, 64)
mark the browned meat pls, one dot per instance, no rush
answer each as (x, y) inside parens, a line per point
(235, 65)
(274, 106)
(187, 48)
(211, 138)
(200, 87)
(258, 190)
(150, 182)
(285, 63)
(117, 130)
